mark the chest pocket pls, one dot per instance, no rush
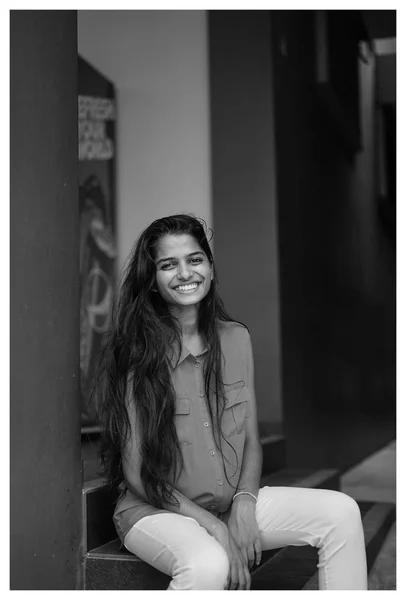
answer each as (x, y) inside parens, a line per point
(183, 420)
(235, 411)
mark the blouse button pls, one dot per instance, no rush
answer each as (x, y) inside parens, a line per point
(212, 452)
(219, 482)
(197, 364)
(201, 394)
(206, 424)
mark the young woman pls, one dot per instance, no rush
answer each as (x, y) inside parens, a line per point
(181, 443)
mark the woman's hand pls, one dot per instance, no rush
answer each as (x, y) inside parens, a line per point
(239, 577)
(243, 528)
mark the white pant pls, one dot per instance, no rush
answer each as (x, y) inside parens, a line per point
(286, 516)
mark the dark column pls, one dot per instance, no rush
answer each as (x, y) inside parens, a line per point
(45, 414)
(244, 190)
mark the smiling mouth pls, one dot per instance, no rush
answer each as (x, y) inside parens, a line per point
(189, 287)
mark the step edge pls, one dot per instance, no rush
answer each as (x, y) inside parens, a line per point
(93, 484)
(272, 438)
(312, 480)
(319, 476)
(93, 555)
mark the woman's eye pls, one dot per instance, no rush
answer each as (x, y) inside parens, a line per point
(196, 260)
(167, 266)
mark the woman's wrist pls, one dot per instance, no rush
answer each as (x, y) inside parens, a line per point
(245, 496)
(243, 502)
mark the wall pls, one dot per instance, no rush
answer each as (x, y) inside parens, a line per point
(336, 267)
(158, 62)
(244, 192)
(45, 499)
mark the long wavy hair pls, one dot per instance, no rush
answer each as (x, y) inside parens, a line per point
(135, 365)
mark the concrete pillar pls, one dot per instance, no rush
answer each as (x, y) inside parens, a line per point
(45, 412)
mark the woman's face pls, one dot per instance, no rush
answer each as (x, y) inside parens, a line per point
(183, 271)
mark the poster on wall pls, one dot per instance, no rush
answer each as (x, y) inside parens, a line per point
(96, 170)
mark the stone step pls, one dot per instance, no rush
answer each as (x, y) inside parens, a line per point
(97, 512)
(295, 567)
(111, 567)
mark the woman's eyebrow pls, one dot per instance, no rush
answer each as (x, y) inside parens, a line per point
(173, 258)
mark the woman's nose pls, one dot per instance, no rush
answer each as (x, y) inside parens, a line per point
(184, 271)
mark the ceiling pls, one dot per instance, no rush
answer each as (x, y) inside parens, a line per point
(380, 23)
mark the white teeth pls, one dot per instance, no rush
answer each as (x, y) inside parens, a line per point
(186, 288)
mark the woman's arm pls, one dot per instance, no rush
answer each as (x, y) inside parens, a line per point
(242, 522)
(252, 458)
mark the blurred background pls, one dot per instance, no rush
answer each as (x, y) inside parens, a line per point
(276, 127)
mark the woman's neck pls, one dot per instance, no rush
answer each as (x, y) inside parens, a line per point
(188, 317)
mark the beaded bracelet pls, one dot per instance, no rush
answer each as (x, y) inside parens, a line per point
(248, 494)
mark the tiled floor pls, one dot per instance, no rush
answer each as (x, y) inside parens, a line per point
(383, 572)
(375, 479)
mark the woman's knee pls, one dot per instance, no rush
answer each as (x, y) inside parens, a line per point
(208, 570)
(345, 513)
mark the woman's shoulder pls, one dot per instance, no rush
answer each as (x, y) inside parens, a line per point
(235, 343)
(233, 331)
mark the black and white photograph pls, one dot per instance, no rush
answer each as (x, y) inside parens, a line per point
(203, 342)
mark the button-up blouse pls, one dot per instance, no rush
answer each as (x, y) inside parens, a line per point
(207, 478)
